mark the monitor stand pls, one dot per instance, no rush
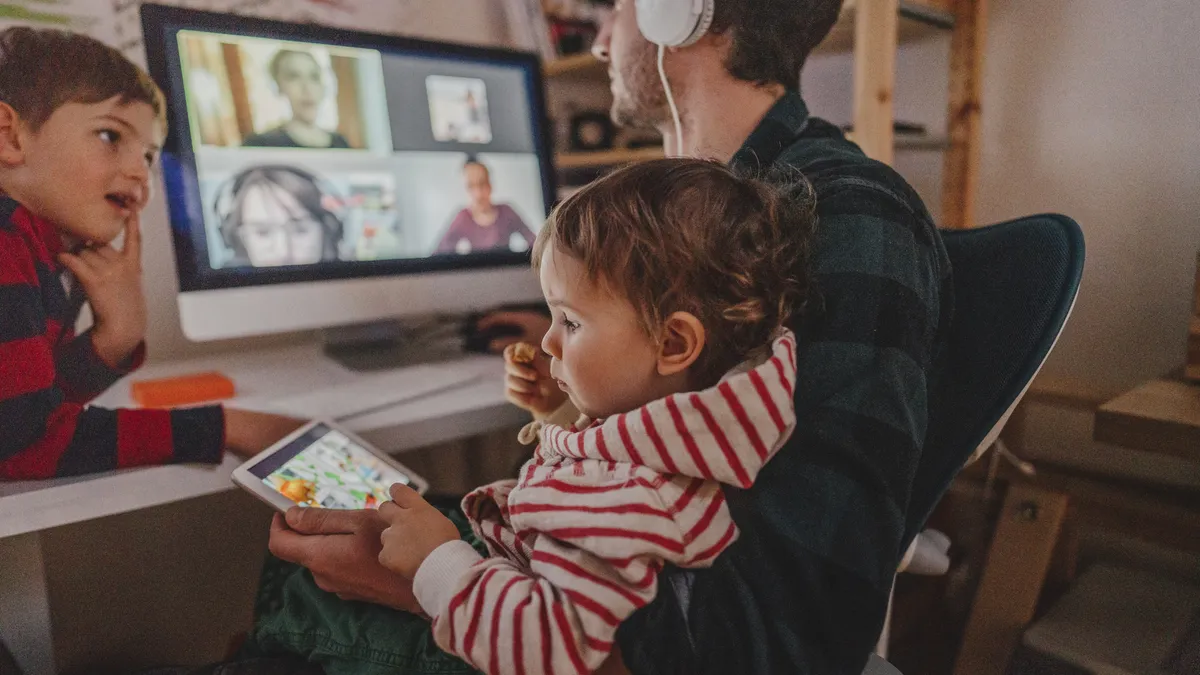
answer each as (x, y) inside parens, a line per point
(387, 345)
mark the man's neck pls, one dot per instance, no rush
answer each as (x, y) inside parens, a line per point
(717, 114)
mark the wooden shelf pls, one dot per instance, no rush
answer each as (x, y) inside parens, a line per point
(576, 65)
(585, 160)
(921, 142)
(921, 19)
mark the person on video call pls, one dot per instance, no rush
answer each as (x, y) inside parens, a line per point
(482, 225)
(300, 80)
(277, 215)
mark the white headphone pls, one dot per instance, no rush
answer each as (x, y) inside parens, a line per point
(674, 23)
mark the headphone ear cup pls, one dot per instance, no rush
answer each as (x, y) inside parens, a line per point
(674, 23)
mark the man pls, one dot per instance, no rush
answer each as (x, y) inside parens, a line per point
(805, 588)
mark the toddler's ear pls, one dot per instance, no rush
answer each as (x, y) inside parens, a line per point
(11, 152)
(683, 339)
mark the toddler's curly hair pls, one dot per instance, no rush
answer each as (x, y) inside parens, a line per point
(696, 236)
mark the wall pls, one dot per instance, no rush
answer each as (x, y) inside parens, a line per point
(1091, 109)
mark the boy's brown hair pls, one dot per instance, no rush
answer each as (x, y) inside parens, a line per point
(43, 69)
(693, 235)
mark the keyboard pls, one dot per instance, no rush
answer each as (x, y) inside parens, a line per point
(376, 392)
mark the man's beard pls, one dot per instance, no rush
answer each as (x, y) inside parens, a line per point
(641, 102)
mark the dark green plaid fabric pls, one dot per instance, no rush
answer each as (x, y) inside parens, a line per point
(294, 618)
(805, 588)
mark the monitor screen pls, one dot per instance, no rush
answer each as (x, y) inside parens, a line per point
(302, 153)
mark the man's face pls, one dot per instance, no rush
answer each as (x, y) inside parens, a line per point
(638, 97)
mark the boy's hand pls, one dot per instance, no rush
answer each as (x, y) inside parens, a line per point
(112, 280)
(530, 386)
(414, 530)
(248, 433)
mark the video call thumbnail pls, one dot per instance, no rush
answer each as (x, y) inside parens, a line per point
(311, 153)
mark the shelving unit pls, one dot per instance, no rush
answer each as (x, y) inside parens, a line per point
(577, 65)
(872, 30)
(585, 160)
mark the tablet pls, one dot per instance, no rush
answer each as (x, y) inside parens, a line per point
(324, 466)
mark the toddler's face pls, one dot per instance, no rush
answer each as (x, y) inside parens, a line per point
(601, 355)
(87, 169)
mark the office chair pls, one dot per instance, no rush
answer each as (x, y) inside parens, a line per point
(1014, 286)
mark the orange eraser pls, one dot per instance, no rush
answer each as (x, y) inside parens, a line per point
(175, 391)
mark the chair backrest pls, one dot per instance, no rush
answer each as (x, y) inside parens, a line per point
(1014, 286)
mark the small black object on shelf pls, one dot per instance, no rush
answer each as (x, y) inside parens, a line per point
(591, 130)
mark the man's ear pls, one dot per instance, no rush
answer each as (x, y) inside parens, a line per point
(12, 153)
(683, 339)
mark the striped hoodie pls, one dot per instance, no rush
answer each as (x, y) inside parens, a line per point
(48, 374)
(578, 540)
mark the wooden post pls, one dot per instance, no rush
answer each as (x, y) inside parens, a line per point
(1025, 538)
(875, 33)
(960, 177)
(1193, 352)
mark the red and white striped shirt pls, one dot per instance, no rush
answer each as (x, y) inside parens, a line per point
(578, 540)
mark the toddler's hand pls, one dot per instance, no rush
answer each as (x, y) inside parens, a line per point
(415, 529)
(529, 385)
(112, 280)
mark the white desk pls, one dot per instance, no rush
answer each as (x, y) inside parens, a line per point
(260, 376)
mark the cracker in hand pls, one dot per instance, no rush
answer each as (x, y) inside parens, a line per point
(524, 353)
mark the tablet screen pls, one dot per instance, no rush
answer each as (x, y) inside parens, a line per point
(325, 468)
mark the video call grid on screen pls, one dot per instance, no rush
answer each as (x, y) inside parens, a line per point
(295, 160)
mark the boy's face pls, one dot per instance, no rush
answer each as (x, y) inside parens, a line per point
(87, 169)
(601, 355)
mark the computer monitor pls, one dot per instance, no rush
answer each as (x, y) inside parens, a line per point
(319, 177)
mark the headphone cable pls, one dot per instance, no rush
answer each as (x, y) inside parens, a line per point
(662, 75)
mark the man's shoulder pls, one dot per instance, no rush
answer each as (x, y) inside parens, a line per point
(837, 168)
(853, 188)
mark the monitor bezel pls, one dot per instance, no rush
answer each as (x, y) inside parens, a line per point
(179, 161)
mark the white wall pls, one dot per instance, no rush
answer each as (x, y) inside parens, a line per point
(1091, 108)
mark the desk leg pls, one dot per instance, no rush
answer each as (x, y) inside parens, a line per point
(25, 604)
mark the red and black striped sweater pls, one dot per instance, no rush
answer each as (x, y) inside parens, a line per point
(48, 374)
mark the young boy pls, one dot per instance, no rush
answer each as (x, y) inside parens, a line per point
(669, 282)
(80, 128)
